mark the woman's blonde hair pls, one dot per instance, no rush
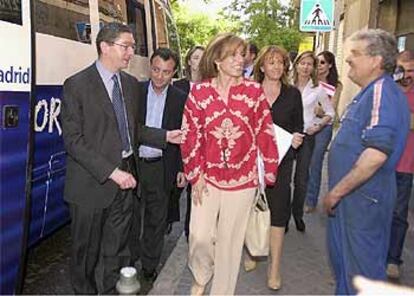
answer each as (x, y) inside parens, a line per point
(268, 53)
(219, 48)
(299, 58)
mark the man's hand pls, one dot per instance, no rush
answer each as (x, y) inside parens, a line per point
(181, 181)
(174, 136)
(367, 164)
(330, 201)
(198, 190)
(123, 179)
(297, 140)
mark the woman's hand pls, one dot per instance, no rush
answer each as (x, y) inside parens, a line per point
(313, 129)
(319, 112)
(297, 140)
(198, 190)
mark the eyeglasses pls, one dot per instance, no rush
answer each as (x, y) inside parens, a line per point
(125, 47)
(157, 70)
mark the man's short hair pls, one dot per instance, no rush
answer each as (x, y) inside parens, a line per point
(379, 43)
(165, 54)
(110, 33)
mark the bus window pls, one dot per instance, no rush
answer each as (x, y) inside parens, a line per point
(161, 27)
(11, 11)
(112, 11)
(64, 18)
(137, 21)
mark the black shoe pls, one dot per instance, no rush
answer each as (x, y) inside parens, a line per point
(300, 225)
(149, 276)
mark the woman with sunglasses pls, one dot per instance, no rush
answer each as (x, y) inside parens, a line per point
(328, 80)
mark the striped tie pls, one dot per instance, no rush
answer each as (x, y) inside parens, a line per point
(120, 114)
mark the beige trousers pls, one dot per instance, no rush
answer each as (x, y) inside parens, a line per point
(217, 231)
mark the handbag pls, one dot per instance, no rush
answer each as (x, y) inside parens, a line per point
(258, 227)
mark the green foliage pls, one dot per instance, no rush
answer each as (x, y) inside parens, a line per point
(198, 28)
(266, 22)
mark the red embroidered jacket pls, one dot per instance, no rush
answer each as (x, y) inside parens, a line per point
(220, 141)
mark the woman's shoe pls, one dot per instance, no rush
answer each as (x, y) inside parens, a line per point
(197, 289)
(249, 263)
(274, 280)
(300, 225)
(274, 284)
(309, 209)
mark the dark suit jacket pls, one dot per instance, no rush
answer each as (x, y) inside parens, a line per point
(171, 120)
(183, 84)
(92, 139)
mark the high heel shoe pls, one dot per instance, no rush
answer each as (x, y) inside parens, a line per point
(274, 284)
(274, 279)
(197, 289)
(300, 224)
(249, 263)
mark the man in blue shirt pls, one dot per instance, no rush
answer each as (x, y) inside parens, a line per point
(161, 105)
(362, 162)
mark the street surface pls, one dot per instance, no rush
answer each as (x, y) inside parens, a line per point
(305, 268)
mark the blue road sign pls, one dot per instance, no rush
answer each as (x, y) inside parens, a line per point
(316, 15)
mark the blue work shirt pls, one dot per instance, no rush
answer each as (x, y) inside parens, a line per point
(378, 117)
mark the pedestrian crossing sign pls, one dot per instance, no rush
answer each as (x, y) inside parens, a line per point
(316, 15)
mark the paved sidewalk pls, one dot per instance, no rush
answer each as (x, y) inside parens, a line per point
(305, 268)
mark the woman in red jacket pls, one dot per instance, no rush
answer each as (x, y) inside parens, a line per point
(226, 121)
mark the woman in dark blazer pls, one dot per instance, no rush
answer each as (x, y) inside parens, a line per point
(192, 60)
(287, 112)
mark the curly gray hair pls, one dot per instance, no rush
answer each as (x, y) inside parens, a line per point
(379, 43)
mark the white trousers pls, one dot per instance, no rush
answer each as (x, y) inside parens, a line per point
(217, 231)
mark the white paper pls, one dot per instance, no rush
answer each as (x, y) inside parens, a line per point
(284, 141)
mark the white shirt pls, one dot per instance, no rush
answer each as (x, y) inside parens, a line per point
(310, 98)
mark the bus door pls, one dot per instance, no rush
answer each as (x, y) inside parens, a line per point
(15, 127)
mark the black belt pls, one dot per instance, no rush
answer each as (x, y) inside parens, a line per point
(150, 159)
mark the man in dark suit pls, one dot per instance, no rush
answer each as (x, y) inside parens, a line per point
(101, 133)
(159, 170)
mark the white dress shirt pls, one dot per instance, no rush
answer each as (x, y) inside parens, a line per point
(310, 97)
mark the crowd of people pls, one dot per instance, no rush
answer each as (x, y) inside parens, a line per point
(134, 147)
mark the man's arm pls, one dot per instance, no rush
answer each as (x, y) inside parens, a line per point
(367, 164)
(157, 137)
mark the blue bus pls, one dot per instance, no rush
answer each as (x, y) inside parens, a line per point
(42, 42)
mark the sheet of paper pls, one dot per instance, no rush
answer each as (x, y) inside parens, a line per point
(284, 141)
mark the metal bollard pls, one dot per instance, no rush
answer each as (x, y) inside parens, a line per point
(128, 283)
